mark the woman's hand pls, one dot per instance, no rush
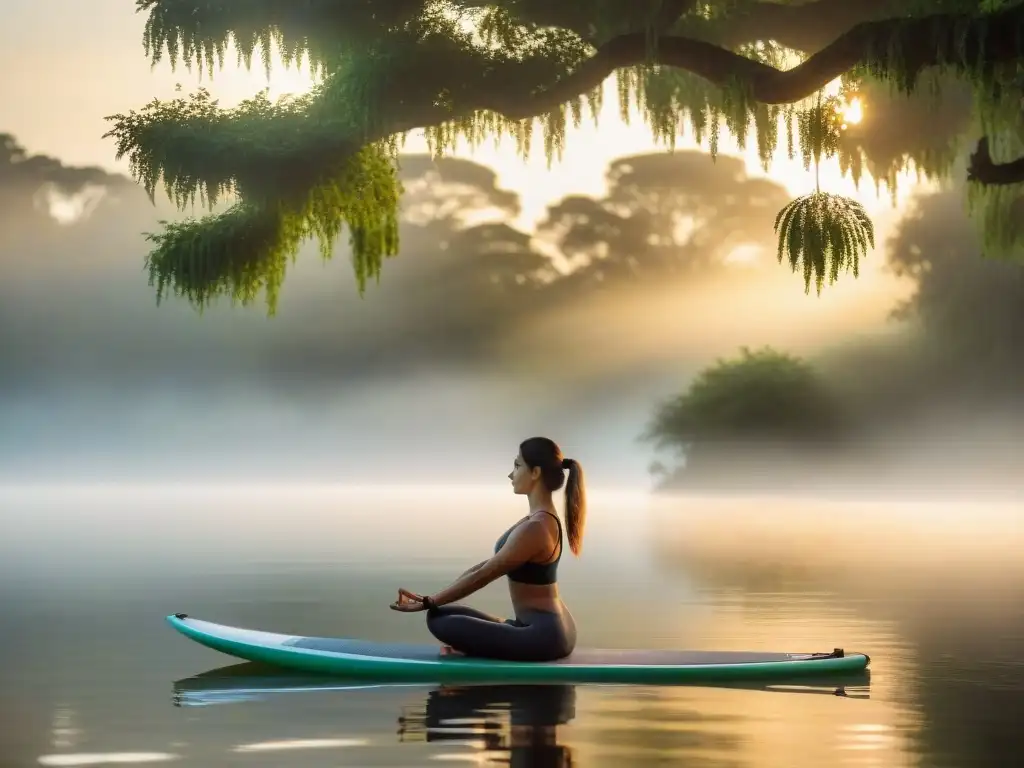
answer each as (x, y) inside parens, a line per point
(408, 602)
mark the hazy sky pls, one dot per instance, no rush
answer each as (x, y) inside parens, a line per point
(69, 63)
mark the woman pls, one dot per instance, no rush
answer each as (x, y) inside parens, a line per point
(528, 553)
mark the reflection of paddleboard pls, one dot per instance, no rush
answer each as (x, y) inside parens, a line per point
(251, 681)
(408, 662)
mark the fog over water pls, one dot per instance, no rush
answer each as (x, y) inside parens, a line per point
(480, 334)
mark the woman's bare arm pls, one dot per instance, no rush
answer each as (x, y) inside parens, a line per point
(473, 568)
(524, 542)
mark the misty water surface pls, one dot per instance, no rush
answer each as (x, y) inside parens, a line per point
(93, 676)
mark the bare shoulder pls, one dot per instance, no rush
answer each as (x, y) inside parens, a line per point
(542, 529)
(548, 523)
(532, 527)
(532, 532)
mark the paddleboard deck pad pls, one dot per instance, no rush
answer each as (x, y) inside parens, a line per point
(420, 662)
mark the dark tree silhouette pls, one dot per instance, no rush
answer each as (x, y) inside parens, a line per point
(666, 216)
(26, 180)
(671, 217)
(971, 310)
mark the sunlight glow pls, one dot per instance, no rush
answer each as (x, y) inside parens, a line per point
(294, 80)
(235, 84)
(852, 111)
(867, 737)
(68, 209)
(746, 254)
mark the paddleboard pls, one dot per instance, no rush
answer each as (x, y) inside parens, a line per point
(398, 662)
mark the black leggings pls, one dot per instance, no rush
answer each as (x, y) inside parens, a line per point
(531, 636)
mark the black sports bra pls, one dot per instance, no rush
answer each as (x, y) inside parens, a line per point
(534, 573)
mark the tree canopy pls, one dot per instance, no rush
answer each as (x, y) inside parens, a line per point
(310, 166)
(765, 399)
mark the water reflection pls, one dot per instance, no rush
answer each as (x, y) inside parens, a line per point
(278, 745)
(513, 724)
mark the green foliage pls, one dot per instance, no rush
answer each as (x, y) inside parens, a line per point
(998, 213)
(197, 32)
(821, 234)
(278, 160)
(467, 69)
(247, 248)
(819, 130)
(998, 210)
(196, 148)
(760, 396)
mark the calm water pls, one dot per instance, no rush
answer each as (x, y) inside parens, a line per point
(92, 676)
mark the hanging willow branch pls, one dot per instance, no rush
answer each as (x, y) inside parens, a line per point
(247, 248)
(822, 234)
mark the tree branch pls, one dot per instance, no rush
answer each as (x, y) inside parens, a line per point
(982, 169)
(918, 43)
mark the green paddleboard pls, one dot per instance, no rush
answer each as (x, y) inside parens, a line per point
(406, 662)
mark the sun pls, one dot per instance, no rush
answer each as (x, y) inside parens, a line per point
(852, 111)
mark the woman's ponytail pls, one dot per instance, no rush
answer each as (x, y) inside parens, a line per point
(575, 505)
